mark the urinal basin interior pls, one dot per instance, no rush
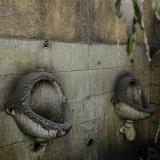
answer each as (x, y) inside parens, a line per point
(129, 99)
(46, 101)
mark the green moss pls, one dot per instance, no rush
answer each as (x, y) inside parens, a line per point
(137, 13)
(130, 44)
(137, 19)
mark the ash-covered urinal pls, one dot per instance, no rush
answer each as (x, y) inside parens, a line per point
(39, 125)
(130, 103)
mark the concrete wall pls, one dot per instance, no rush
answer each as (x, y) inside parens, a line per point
(67, 20)
(86, 73)
(155, 91)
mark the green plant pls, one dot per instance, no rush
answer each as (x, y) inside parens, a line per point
(132, 11)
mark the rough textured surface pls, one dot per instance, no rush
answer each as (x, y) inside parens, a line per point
(155, 80)
(68, 20)
(155, 93)
(155, 41)
(9, 135)
(87, 74)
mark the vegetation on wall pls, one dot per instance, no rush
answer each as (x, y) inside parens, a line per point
(132, 11)
(156, 7)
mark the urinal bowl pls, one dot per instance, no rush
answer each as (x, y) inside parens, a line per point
(130, 103)
(39, 123)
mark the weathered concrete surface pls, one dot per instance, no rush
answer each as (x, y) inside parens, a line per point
(14, 152)
(21, 150)
(38, 19)
(86, 74)
(68, 20)
(9, 135)
(155, 92)
(155, 80)
(155, 38)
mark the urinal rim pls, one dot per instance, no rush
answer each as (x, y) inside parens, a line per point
(120, 93)
(16, 102)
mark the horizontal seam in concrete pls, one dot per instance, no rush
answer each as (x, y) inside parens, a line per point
(69, 42)
(1, 147)
(98, 94)
(128, 67)
(77, 124)
(91, 95)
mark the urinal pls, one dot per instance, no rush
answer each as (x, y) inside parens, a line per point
(130, 103)
(36, 124)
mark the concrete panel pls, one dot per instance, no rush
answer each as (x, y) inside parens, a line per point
(78, 142)
(69, 56)
(87, 109)
(155, 92)
(4, 91)
(76, 108)
(113, 139)
(141, 57)
(7, 86)
(69, 147)
(93, 139)
(156, 59)
(107, 56)
(102, 81)
(94, 107)
(155, 76)
(113, 56)
(21, 150)
(17, 56)
(9, 132)
(143, 75)
(75, 84)
(147, 92)
(145, 126)
(14, 152)
(83, 143)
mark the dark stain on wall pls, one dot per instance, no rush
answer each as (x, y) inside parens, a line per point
(85, 20)
(155, 39)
